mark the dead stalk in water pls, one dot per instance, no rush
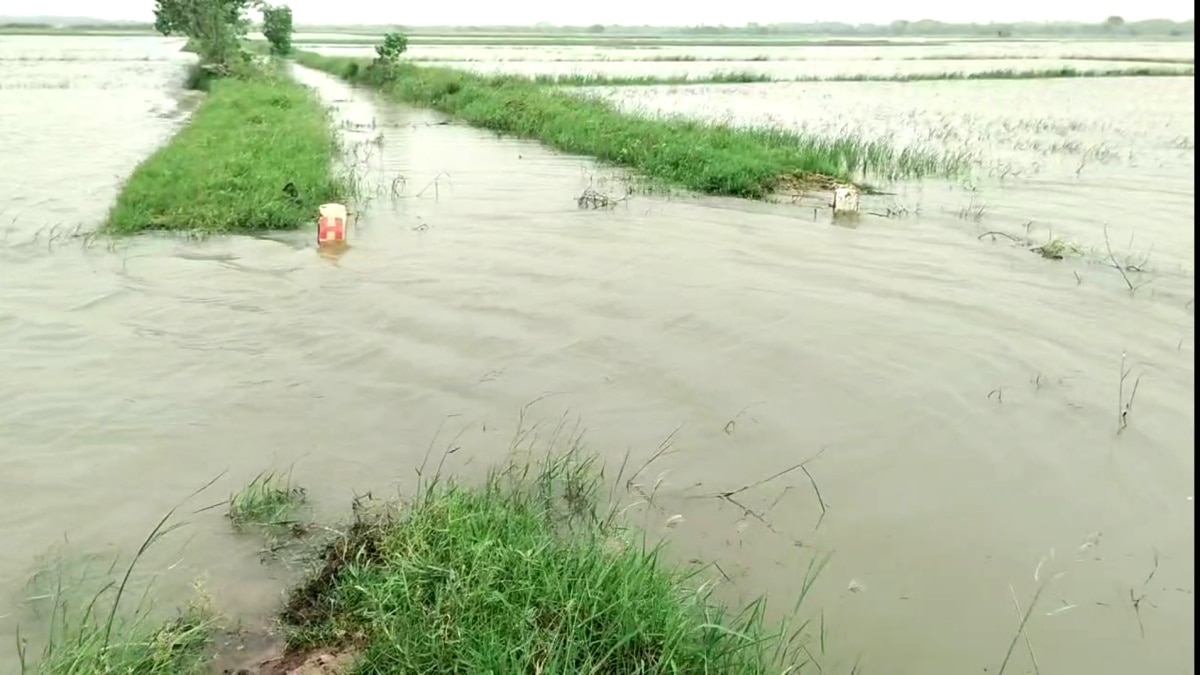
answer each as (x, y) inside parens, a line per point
(1115, 263)
(1024, 616)
(1021, 628)
(996, 233)
(435, 184)
(1124, 405)
(1028, 643)
(731, 425)
(817, 491)
(665, 447)
(1137, 600)
(729, 496)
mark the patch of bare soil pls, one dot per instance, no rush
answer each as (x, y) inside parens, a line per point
(266, 654)
(262, 651)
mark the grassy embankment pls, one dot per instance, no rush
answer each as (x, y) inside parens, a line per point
(699, 156)
(530, 572)
(259, 153)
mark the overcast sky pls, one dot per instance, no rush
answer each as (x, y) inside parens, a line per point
(650, 12)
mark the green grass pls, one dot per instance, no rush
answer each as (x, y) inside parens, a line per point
(699, 156)
(268, 500)
(258, 154)
(84, 644)
(524, 574)
(115, 631)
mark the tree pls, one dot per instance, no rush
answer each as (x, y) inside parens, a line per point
(387, 57)
(214, 28)
(277, 28)
(1114, 22)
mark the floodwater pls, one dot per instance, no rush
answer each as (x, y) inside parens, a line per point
(784, 63)
(791, 70)
(960, 396)
(935, 49)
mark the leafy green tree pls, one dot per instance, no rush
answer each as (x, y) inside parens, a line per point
(277, 28)
(214, 28)
(387, 57)
(388, 53)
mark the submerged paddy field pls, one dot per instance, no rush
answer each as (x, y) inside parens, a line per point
(969, 408)
(771, 60)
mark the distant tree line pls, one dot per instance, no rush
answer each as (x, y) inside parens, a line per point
(1113, 26)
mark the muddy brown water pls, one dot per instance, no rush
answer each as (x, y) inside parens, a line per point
(961, 395)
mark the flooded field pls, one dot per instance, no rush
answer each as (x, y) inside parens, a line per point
(959, 398)
(797, 62)
(1070, 156)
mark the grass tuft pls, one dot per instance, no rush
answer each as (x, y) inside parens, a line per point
(526, 574)
(258, 154)
(268, 500)
(702, 157)
(81, 646)
(105, 635)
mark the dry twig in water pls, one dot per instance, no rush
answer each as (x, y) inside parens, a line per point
(1115, 263)
(1124, 405)
(1024, 620)
(729, 496)
(1137, 600)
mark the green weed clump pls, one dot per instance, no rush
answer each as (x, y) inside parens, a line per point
(258, 154)
(87, 644)
(114, 630)
(526, 574)
(709, 158)
(268, 500)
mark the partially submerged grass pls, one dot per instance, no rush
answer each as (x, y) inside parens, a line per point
(1010, 74)
(601, 80)
(1131, 265)
(699, 156)
(750, 77)
(258, 154)
(525, 574)
(270, 500)
(82, 645)
(110, 631)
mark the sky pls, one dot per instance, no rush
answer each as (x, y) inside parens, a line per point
(645, 12)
